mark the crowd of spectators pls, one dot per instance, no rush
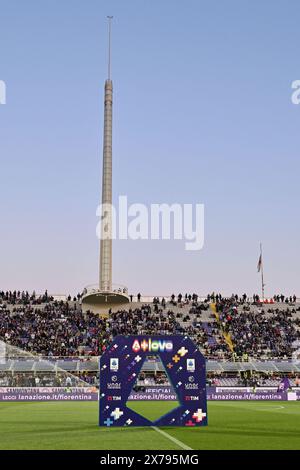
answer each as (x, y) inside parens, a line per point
(41, 325)
(57, 329)
(260, 331)
(23, 298)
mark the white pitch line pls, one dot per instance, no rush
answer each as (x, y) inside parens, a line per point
(171, 438)
(279, 407)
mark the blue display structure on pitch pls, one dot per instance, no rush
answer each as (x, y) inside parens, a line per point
(121, 364)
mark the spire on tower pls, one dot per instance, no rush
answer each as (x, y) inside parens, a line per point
(109, 45)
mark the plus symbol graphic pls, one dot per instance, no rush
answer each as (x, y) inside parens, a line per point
(176, 358)
(144, 345)
(182, 351)
(108, 422)
(198, 416)
(116, 414)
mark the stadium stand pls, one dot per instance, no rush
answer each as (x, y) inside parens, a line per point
(245, 341)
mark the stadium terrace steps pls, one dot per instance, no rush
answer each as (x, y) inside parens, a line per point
(200, 326)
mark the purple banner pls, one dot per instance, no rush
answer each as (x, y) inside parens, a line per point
(120, 367)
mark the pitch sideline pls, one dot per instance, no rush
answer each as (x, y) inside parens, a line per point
(171, 438)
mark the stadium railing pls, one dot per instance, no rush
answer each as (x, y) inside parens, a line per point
(91, 364)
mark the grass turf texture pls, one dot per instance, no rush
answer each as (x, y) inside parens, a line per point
(232, 425)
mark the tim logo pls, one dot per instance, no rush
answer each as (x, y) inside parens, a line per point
(191, 398)
(114, 398)
(152, 346)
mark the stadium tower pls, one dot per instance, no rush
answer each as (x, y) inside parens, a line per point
(103, 296)
(105, 278)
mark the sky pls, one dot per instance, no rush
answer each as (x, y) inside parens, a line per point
(202, 114)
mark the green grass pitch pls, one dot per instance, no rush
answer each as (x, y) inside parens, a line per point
(232, 425)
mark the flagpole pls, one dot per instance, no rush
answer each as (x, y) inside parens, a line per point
(262, 275)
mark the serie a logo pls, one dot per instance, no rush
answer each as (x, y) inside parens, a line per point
(152, 346)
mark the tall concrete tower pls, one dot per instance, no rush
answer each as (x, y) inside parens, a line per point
(105, 272)
(99, 298)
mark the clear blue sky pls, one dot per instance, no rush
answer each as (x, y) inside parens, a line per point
(202, 113)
